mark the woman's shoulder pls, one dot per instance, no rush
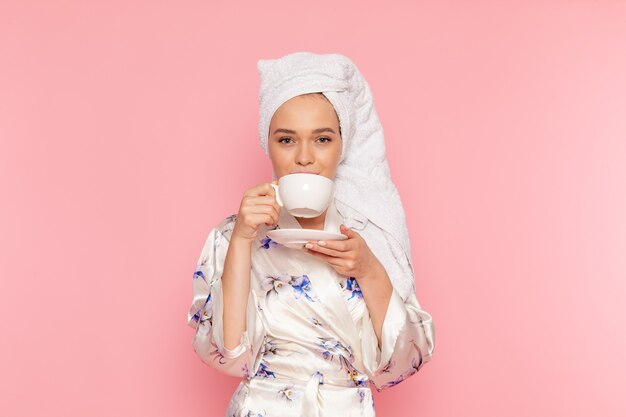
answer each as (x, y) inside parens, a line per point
(226, 225)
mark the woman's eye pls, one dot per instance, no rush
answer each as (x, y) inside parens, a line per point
(286, 138)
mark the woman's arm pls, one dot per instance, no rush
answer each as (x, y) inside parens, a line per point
(258, 206)
(236, 289)
(376, 288)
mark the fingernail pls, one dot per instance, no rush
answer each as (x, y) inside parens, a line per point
(321, 243)
(308, 245)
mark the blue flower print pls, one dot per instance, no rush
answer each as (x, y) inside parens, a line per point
(267, 243)
(264, 371)
(331, 348)
(196, 316)
(361, 394)
(357, 378)
(301, 286)
(205, 313)
(269, 348)
(352, 286)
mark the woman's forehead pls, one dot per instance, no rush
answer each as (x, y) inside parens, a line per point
(299, 111)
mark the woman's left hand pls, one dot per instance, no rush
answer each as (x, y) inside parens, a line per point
(351, 257)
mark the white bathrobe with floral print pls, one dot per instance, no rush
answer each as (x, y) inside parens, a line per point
(309, 348)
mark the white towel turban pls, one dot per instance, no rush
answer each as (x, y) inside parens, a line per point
(363, 186)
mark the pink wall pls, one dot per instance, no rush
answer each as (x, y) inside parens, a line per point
(128, 129)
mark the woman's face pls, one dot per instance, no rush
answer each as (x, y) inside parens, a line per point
(304, 137)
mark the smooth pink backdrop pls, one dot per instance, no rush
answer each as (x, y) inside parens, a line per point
(128, 129)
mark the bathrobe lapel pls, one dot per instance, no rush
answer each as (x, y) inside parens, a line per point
(333, 304)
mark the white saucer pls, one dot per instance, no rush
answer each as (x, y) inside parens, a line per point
(296, 238)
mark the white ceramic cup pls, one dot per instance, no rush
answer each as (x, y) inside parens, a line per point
(304, 195)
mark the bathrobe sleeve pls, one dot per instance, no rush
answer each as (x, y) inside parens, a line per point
(205, 313)
(408, 341)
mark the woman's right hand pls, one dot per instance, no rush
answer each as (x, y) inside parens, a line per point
(258, 206)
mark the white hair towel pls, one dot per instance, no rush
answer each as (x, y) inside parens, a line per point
(363, 187)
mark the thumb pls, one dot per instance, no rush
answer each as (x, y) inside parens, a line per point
(346, 231)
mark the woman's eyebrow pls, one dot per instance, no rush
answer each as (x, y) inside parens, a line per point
(293, 132)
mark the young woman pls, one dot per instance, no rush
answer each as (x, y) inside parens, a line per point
(309, 329)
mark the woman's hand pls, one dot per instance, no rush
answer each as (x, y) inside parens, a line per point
(258, 206)
(351, 257)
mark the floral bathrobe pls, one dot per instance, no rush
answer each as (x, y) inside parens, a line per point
(309, 348)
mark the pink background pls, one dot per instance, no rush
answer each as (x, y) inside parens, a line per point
(128, 129)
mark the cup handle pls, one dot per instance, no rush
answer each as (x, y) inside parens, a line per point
(278, 200)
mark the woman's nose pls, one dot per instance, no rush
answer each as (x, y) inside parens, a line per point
(304, 155)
